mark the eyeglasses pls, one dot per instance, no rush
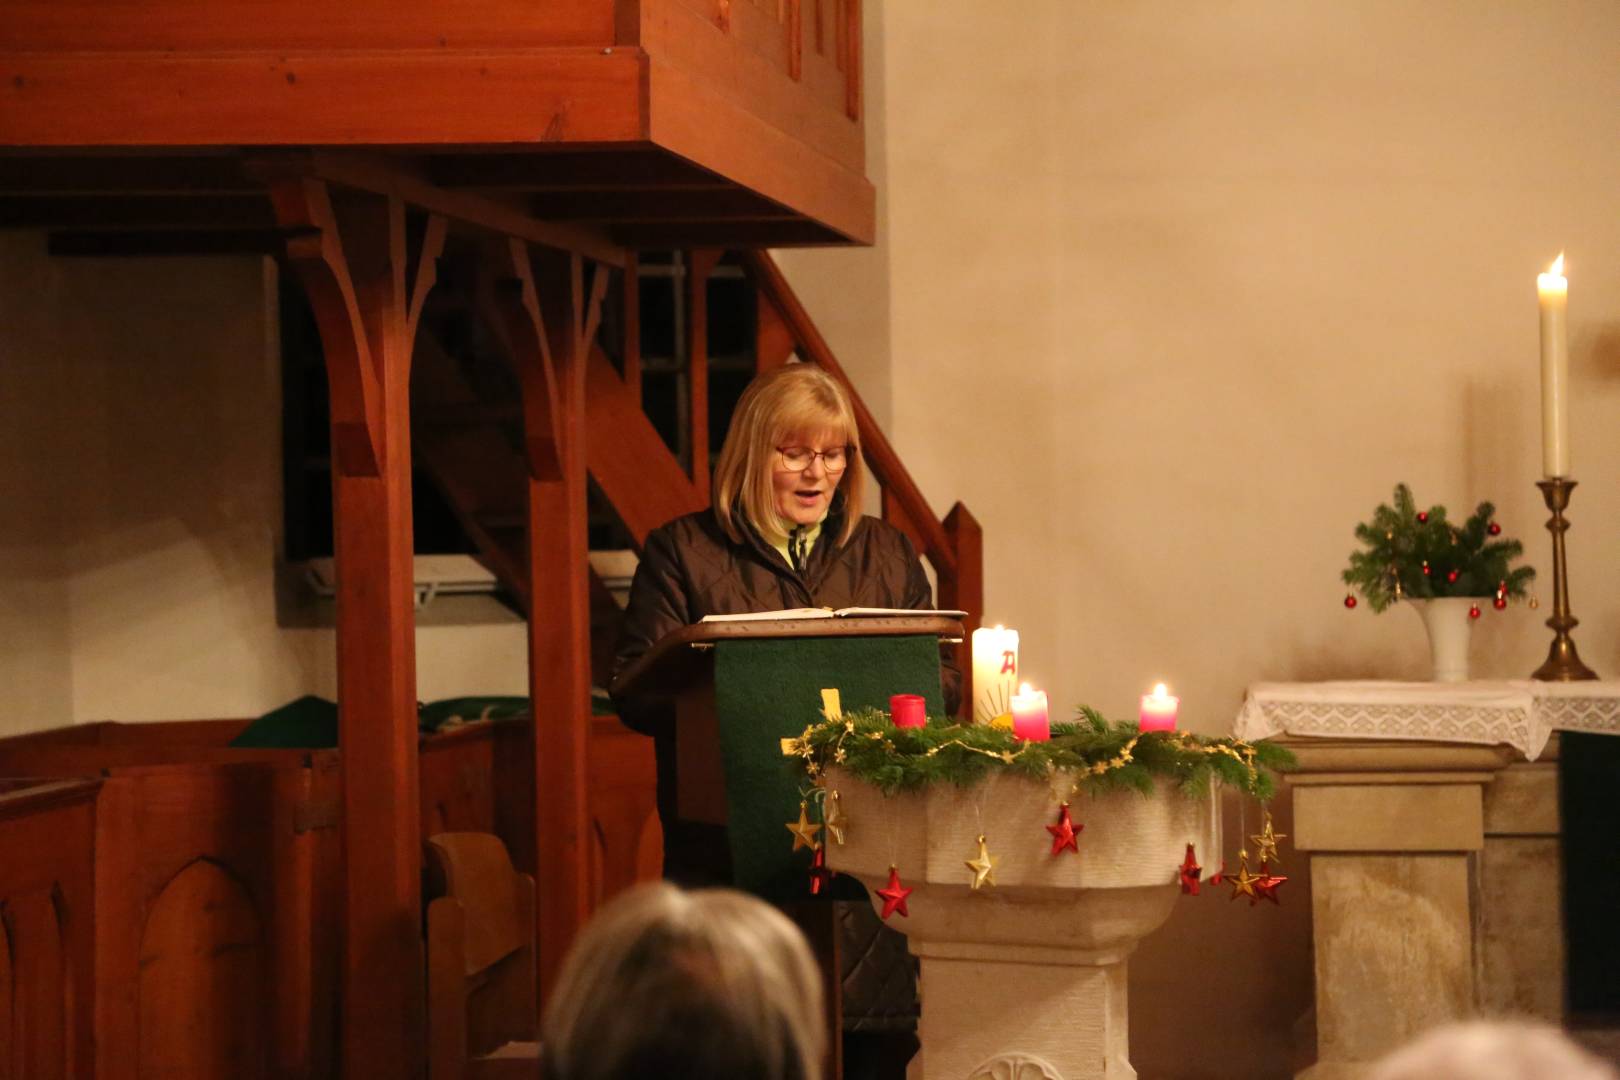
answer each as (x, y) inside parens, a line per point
(799, 458)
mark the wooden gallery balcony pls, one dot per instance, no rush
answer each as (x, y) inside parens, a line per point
(638, 123)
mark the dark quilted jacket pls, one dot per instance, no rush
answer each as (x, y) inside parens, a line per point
(690, 568)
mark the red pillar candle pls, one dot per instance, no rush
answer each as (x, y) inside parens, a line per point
(1159, 710)
(908, 710)
(1029, 715)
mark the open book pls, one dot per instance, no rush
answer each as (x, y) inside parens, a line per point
(829, 613)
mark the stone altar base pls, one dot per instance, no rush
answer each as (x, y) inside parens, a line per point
(1024, 980)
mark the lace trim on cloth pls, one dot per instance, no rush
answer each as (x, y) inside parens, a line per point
(1520, 713)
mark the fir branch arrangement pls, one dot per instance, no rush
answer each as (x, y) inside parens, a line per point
(1102, 756)
(1420, 555)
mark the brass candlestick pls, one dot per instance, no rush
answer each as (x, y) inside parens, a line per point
(1563, 662)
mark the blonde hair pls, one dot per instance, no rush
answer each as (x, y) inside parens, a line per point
(797, 399)
(674, 984)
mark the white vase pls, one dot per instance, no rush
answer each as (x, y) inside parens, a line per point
(1449, 627)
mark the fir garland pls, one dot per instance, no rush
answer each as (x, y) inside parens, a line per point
(1102, 756)
(1419, 555)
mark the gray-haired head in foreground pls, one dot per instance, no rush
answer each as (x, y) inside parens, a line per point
(1492, 1050)
(686, 985)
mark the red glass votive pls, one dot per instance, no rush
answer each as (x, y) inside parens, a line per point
(908, 710)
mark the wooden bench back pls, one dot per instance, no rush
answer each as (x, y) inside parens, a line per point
(481, 974)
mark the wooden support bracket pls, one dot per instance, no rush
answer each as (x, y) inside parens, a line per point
(368, 275)
(551, 315)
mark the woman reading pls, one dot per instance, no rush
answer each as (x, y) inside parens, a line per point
(785, 531)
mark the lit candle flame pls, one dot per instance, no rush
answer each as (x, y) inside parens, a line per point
(1023, 688)
(1160, 693)
(1557, 268)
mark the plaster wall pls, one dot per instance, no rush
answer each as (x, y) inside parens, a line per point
(1178, 295)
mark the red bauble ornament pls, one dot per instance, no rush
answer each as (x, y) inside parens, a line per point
(1265, 886)
(1188, 872)
(1473, 611)
(1423, 517)
(1494, 529)
(1219, 875)
(820, 876)
(1452, 576)
(894, 895)
(1425, 567)
(1349, 600)
(1500, 603)
(1064, 833)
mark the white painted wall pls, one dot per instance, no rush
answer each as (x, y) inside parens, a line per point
(1178, 294)
(140, 504)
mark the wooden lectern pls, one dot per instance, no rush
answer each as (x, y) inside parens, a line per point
(680, 667)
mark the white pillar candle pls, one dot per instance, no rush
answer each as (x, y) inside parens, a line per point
(995, 671)
(1553, 289)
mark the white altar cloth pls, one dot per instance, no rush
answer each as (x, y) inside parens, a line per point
(1520, 712)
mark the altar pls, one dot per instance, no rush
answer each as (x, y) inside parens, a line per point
(1431, 815)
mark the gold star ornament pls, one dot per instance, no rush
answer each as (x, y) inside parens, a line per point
(983, 866)
(804, 833)
(837, 821)
(1265, 842)
(1243, 882)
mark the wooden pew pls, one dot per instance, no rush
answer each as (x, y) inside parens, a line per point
(214, 903)
(47, 908)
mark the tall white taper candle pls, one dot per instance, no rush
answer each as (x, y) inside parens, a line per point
(1553, 289)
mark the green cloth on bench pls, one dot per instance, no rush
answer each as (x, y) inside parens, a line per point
(435, 714)
(310, 723)
(768, 690)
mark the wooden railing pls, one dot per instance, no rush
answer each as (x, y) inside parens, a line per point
(954, 545)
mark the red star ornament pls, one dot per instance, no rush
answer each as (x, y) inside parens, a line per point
(820, 876)
(1065, 832)
(894, 895)
(1189, 872)
(1265, 886)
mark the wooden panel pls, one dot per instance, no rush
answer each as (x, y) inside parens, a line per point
(202, 978)
(8, 1027)
(731, 67)
(689, 117)
(648, 205)
(45, 996)
(628, 844)
(239, 25)
(555, 169)
(47, 958)
(292, 98)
